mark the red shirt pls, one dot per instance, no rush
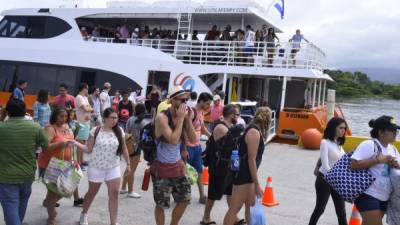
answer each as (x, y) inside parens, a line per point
(67, 101)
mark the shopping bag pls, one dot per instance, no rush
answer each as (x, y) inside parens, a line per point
(69, 180)
(191, 174)
(62, 177)
(257, 214)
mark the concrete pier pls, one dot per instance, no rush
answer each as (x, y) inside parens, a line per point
(293, 181)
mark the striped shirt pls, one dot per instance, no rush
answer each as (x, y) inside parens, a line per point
(18, 143)
(41, 113)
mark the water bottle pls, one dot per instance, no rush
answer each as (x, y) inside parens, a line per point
(146, 180)
(235, 160)
(145, 135)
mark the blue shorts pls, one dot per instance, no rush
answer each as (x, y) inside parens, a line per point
(368, 203)
(249, 51)
(195, 159)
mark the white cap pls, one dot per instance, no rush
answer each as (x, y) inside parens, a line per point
(216, 98)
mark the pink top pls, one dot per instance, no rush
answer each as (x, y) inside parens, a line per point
(197, 123)
(216, 112)
(64, 101)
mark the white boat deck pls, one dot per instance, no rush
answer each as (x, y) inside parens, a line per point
(235, 53)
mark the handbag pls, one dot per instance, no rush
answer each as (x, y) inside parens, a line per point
(62, 177)
(349, 183)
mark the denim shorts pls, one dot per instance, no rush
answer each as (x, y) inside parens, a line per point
(368, 203)
(195, 159)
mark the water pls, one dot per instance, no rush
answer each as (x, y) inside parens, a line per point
(358, 112)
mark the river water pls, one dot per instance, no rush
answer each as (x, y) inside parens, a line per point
(358, 112)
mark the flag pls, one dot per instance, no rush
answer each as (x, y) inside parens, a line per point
(280, 6)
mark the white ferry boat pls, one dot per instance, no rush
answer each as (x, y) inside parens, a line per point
(50, 46)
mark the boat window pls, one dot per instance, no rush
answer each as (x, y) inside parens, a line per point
(32, 27)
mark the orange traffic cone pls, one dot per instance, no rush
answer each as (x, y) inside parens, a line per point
(268, 198)
(205, 176)
(355, 218)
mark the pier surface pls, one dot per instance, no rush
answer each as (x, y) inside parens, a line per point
(293, 181)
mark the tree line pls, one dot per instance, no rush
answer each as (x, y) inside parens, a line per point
(358, 84)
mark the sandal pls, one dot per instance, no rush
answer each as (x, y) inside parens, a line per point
(241, 222)
(207, 223)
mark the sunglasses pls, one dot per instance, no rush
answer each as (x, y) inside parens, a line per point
(182, 100)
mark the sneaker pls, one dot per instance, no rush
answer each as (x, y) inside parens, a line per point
(83, 220)
(123, 191)
(133, 195)
(78, 203)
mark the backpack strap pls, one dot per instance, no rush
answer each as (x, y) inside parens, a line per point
(96, 133)
(377, 148)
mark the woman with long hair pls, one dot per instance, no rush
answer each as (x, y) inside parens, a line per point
(330, 152)
(41, 108)
(134, 125)
(378, 156)
(270, 39)
(106, 144)
(61, 139)
(251, 148)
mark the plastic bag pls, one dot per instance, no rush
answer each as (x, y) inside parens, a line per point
(191, 174)
(257, 214)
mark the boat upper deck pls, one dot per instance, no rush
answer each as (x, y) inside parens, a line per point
(283, 55)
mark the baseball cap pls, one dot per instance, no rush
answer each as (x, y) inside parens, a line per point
(384, 123)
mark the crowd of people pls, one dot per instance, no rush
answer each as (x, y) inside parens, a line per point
(248, 42)
(93, 123)
(109, 129)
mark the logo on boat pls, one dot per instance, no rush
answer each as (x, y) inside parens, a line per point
(186, 81)
(297, 116)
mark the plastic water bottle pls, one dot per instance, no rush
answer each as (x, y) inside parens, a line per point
(145, 135)
(235, 160)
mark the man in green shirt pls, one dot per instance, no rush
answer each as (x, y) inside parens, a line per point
(18, 143)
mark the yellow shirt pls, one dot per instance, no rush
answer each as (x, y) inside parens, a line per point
(164, 105)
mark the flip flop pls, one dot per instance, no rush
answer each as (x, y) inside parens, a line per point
(208, 223)
(241, 222)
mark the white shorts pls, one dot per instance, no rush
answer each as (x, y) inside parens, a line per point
(96, 175)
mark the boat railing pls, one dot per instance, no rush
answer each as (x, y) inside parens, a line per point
(272, 128)
(235, 53)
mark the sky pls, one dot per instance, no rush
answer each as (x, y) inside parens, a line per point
(353, 33)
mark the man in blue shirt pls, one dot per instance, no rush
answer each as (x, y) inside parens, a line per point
(19, 92)
(296, 39)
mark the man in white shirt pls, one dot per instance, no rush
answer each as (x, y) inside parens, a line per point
(296, 40)
(104, 97)
(249, 38)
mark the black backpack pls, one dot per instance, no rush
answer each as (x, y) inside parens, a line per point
(218, 153)
(148, 144)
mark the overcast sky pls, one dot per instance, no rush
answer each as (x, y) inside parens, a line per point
(354, 33)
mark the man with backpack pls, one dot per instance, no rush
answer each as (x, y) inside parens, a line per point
(168, 169)
(217, 157)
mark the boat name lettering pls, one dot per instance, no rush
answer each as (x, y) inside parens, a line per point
(220, 10)
(297, 116)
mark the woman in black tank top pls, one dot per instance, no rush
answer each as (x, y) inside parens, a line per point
(251, 147)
